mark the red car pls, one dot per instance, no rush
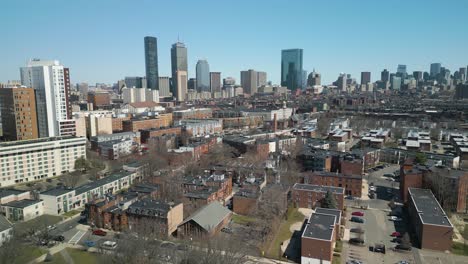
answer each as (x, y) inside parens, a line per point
(99, 232)
(358, 213)
(396, 234)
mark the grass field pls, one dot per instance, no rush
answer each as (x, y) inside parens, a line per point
(80, 256)
(241, 219)
(28, 253)
(459, 249)
(37, 223)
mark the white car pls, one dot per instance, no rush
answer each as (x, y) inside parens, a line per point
(372, 188)
(395, 218)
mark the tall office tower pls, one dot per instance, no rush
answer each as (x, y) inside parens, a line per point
(365, 77)
(134, 82)
(462, 72)
(181, 89)
(304, 79)
(418, 75)
(178, 64)
(314, 79)
(435, 69)
(164, 86)
(396, 83)
(229, 81)
(203, 76)
(385, 76)
(18, 113)
(249, 81)
(261, 78)
(401, 69)
(342, 82)
(215, 82)
(151, 63)
(291, 68)
(192, 84)
(82, 88)
(51, 81)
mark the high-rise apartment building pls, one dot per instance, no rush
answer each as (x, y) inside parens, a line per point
(151, 63)
(215, 82)
(365, 77)
(261, 78)
(82, 88)
(179, 70)
(18, 113)
(164, 86)
(435, 69)
(314, 78)
(291, 68)
(249, 81)
(51, 81)
(203, 76)
(385, 76)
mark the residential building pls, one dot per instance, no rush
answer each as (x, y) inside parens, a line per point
(123, 136)
(205, 222)
(10, 195)
(115, 149)
(93, 123)
(193, 113)
(311, 196)
(318, 238)
(51, 81)
(83, 88)
(151, 63)
(137, 124)
(203, 76)
(30, 160)
(201, 127)
(291, 68)
(23, 210)
(99, 99)
(352, 184)
(429, 221)
(249, 81)
(6, 230)
(244, 201)
(18, 113)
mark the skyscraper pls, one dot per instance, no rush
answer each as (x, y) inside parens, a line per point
(215, 82)
(51, 81)
(136, 82)
(249, 81)
(342, 82)
(385, 76)
(203, 76)
(18, 113)
(314, 78)
(418, 75)
(164, 86)
(291, 68)
(435, 69)
(462, 72)
(396, 83)
(83, 89)
(261, 78)
(151, 63)
(365, 77)
(179, 70)
(192, 84)
(401, 71)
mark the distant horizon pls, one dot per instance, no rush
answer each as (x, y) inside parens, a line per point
(101, 46)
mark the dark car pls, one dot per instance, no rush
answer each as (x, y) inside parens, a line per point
(380, 248)
(396, 240)
(403, 247)
(99, 232)
(357, 230)
(356, 241)
(357, 219)
(59, 238)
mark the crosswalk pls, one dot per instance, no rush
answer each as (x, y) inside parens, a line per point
(77, 237)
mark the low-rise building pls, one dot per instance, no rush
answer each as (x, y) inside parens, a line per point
(205, 222)
(318, 239)
(310, 196)
(352, 184)
(10, 195)
(432, 226)
(95, 141)
(6, 230)
(244, 201)
(23, 210)
(201, 127)
(193, 113)
(115, 149)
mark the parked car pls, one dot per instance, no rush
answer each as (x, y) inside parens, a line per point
(402, 247)
(99, 232)
(372, 188)
(389, 175)
(396, 234)
(396, 240)
(51, 227)
(354, 261)
(357, 230)
(357, 219)
(395, 218)
(380, 248)
(89, 243)
(357, 213)
(59, 238)
(356, 241)
(109, 244)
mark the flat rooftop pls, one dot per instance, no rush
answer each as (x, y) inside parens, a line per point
(335, 212)
(8, 192)
(22, 203)
(320, 226)
(318, 188)
(34, 141)
(428, 207)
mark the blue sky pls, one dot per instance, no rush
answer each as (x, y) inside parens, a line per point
(102, 41)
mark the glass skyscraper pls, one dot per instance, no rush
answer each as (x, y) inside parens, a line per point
(291, 69)
(203, 76)
(151, 63)
(179, 65)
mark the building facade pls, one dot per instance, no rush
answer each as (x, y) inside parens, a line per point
(291, 68)
(151, 63)
(203, 76)
(179, 70)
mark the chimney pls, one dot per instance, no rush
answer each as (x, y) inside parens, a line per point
(275, 122)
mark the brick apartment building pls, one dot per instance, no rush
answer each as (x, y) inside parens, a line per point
(310, 196)
(245, 201)
(134, 125)
(117, 123)
(432, 226)
(157, 132)
(99, 99)
(352, 184)
(318, 238)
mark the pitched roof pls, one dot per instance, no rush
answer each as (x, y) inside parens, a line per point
(4, 224)
(209, 216)
(143, 104)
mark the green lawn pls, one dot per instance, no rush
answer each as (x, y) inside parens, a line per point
(293, 216)
(80, 256)
(338, 246)
(336, 260)
(56, 259)
(28, 253)
(459, 249)
(242, 219)
(71, 213)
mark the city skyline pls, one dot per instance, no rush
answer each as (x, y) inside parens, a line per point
(90, 60)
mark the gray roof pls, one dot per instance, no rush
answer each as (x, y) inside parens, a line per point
(320, 226)
(335, 212)
(150, 207)
(101, 182)
(57, 191)
(22, 203)
(428, 207)
(8, 192)
(4, 224)
(209, 216)
(318, 188)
